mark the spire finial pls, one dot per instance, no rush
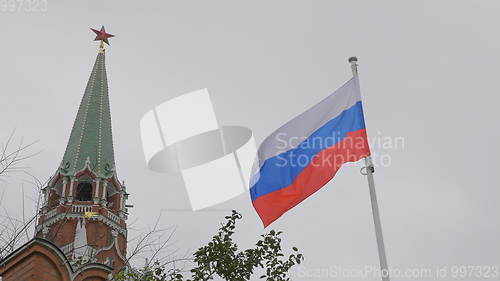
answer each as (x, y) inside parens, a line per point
(101, 48)
(103, 36)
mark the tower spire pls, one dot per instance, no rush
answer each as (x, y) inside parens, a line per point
(91, 142)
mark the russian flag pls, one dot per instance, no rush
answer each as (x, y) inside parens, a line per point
(305, 154)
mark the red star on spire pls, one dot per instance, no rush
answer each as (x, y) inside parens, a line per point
(102, 35)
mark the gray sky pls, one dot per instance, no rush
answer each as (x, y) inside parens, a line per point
(428, 74)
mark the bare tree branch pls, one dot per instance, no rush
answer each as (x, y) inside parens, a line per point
(12, 156)
(13, 230)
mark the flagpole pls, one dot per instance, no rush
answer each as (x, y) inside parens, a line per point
(373, 196)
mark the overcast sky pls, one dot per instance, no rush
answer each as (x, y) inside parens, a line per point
(429, 74)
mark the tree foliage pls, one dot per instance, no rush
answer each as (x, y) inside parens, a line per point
(221, 257)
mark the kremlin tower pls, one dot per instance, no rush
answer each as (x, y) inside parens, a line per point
(82, 232)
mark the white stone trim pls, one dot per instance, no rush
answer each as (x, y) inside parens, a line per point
(63, 216)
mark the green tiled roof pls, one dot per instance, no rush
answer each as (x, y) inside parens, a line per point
(91, 139)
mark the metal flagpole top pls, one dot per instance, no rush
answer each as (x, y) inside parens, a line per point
(354, 65)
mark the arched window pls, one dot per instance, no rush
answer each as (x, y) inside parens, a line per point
(84, 191)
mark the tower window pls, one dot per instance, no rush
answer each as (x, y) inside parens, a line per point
(84, 191)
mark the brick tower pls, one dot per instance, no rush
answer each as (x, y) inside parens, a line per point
(84, 209)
